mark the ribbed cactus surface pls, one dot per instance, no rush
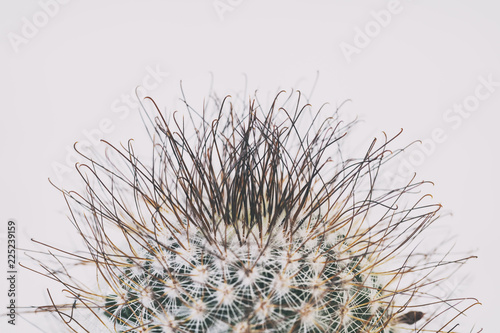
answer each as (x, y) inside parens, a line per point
(310, 283)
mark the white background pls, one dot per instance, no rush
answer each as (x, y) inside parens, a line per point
(62, 82)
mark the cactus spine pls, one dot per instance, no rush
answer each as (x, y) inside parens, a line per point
(251, 222)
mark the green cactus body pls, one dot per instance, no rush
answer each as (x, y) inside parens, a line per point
(311, 284)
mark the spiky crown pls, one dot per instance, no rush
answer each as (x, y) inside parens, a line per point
(251, 222)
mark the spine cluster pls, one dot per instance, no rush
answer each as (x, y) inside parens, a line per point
(250, 220)
(313, 284)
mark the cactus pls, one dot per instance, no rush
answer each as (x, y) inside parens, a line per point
(251, 222)
(309, 284)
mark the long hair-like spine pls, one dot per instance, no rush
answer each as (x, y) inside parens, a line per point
(251, 220)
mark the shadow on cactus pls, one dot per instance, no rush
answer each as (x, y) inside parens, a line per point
(252, 220)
